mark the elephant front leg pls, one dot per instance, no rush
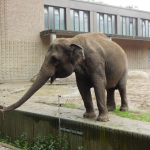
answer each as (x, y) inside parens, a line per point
(85, 92)
(99, 84)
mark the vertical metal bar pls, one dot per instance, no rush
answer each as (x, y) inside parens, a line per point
(3, 103)
(59, 109)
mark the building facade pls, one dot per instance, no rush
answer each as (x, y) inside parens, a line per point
(28, 27)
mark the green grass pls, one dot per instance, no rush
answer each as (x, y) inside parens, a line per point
(132, 115)
(70, 105)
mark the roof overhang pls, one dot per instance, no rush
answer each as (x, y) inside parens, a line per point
(73, 33)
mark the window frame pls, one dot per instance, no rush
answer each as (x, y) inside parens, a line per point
(79, 17)
(109, 16)
(106, 23)
(54, 8)
(55, 15)
(128, 21)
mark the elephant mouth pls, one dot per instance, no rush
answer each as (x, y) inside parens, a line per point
(52, 79)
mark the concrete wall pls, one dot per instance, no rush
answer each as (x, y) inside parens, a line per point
(136, 51)
(21, 48)
(95, 137)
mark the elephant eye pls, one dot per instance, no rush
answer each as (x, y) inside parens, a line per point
(54, 60)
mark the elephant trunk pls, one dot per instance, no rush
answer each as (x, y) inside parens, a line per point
(39, 82)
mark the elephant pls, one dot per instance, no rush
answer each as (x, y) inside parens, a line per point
(97, 61)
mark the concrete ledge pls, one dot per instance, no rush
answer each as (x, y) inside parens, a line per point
(46, 32)
(95, 136)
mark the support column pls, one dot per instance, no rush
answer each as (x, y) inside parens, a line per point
(95, 22)
(118, 24)
(52, 37)
(110, 38)
(91, 21)
(138, 27)
(68, 26)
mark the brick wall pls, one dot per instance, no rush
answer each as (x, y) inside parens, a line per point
(136, 51)
(21, 48)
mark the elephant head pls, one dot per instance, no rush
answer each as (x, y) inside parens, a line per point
(60, 60)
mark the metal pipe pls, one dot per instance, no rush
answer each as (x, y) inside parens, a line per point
(3, 103)
(59, 109)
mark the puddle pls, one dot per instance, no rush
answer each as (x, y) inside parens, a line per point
(52, 90)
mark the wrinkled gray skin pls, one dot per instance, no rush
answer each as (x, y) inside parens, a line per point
(96, 61)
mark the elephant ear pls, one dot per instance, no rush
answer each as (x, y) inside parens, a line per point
(77, 54)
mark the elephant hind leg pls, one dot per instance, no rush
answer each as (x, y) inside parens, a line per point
(111, 105)
(122, 90)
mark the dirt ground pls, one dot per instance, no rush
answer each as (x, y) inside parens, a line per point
(138, 94)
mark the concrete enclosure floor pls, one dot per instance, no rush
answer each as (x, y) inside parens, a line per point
(138, 93)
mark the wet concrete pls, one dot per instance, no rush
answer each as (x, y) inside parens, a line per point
(51, 90)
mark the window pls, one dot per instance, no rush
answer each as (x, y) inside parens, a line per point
(124, 26)
(101, 24)
(54, 18)
(76, 15)
(86, 24)
(143, 25)
(79, 20)
(106, 23)
(145, 28)
(109, 25)
(149, 28)
(131, 26)
(46, 18)
(128, 26)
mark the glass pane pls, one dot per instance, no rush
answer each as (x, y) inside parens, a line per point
(109, 25)
(149, 29)
(81, 20)
(46, 21)
(56, 18)
(76, 21)
(56, 11)
(124, 26)
(141, 27)
(101, 17)
(46, 18)
(51, 17)
(134, 27)
(128, 26)
(76, 14)
(86, 15)
(113, 25)
(121, 25)
(101, 26)
(72, 19)
(86, 23)
(62, 19)
(98, 22)
(105, 23)
(131, 29)
(146, 28)
(45, 11)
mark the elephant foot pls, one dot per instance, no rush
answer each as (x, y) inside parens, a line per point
(103, 118)
(124, 108)
(111, 107)
(89, 115)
